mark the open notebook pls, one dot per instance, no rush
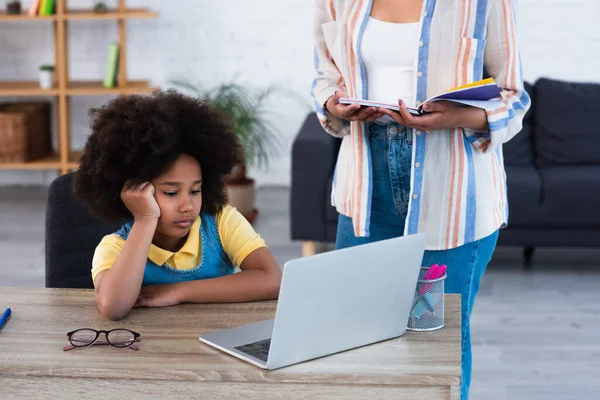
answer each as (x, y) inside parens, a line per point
(477, 94)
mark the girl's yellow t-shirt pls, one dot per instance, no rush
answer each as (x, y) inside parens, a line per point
(237, 237)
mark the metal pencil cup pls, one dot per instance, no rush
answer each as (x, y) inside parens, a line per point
(427, 310)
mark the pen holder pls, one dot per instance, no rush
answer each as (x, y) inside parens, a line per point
(427, 311)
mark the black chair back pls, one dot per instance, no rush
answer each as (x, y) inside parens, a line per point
(72, 235)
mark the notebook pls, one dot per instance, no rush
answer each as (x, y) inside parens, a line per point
(477, 94)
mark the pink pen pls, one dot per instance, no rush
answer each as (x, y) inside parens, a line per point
(430, 272)
(435, 272)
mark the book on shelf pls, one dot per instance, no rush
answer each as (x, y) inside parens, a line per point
(477, 94)
(110, 75)
(46, 7)
(34, 7)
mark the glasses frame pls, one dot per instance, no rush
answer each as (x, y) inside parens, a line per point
(136, 338)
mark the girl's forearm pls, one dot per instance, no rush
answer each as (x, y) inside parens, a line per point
(249, 285)
(120, 286)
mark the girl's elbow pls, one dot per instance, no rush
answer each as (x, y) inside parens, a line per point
(109, 310)
(275, 285)
(112, 316)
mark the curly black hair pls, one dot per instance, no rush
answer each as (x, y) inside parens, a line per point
(139, 137)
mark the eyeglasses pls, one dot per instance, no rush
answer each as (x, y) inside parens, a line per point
(117, 337)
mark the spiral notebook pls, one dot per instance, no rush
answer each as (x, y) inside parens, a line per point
(477, 94)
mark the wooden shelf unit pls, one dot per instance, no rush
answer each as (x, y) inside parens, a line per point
(25, 89)
(65, 159)
(51, 161)
(24, 16)
(128, 13)
(110, 14)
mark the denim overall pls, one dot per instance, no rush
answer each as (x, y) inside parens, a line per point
(214, 261)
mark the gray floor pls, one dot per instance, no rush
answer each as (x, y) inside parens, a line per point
(534, 333)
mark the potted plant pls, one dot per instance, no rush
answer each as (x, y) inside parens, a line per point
(46, 76)
(100, 8)
(13, 7)
(246, 108)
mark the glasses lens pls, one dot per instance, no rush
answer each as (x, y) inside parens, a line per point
(83, 337)
(121, 338)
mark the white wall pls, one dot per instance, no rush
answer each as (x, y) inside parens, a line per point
(262, 42)
(560, 39)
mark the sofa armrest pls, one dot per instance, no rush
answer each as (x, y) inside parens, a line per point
(314, 154)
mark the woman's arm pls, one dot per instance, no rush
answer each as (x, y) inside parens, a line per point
(485, 129)
(328, 78)
(503, 62)
(117, 288)
(441, 115)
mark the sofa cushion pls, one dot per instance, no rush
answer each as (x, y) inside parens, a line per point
(524, 191)
(567, 123)
(570, 196)
(519, 149)
(530, 89)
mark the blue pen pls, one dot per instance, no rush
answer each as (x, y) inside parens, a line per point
(5, 316)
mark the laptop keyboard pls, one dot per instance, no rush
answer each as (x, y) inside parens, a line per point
(258, 349)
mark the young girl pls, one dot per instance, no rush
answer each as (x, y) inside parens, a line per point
(441, 173)
(158, 164)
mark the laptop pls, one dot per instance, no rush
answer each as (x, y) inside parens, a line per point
(332, 302)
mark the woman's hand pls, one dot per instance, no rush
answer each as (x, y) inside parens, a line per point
(158, 296)
(351, 112)
(139, 199)
(441, 115)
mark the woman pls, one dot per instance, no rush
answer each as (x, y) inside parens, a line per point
(441, 173)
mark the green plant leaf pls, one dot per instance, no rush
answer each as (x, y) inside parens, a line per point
(247, 110)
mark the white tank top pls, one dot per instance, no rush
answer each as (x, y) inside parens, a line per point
(388, 52)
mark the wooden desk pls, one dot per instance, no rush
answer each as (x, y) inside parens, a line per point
(173, 363)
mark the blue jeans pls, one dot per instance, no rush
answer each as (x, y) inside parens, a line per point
(391, 155)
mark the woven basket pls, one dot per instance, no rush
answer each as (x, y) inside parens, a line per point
(24, 131)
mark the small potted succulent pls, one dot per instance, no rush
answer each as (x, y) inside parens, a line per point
(13, 7)
(100, 8)
(46, 76)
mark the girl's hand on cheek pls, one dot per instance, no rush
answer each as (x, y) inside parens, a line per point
(139, 199)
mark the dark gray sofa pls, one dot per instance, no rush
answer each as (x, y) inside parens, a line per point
(552, 168)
